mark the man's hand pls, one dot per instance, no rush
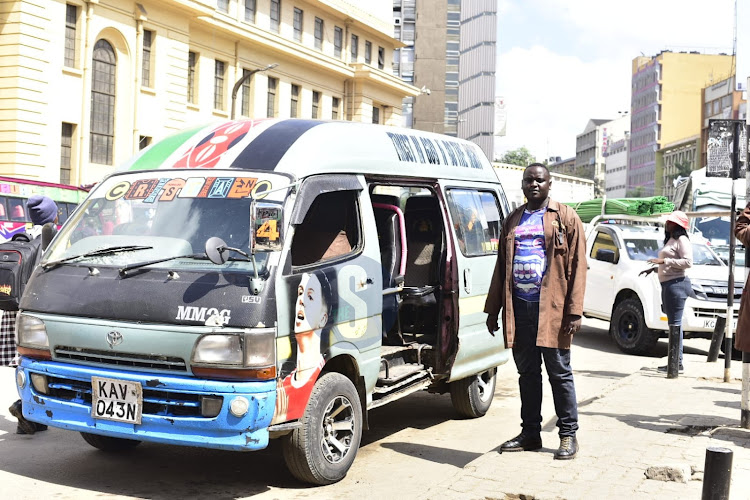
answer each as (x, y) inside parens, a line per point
(492, 325)
(571, 324)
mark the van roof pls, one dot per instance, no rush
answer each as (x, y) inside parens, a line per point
(305, 147)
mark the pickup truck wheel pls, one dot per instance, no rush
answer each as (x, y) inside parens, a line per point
(628, 328)
(472, 396)
(322, 450)
(108, 443)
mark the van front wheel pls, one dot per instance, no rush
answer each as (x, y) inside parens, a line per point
(472, 396)
(322, 450)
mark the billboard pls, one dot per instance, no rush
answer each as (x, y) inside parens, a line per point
(720, 148)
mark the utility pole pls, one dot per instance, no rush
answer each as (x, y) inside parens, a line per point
(242, 80)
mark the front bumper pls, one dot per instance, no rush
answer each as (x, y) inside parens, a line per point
(175, 401)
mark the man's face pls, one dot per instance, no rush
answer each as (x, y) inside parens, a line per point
(535, 184)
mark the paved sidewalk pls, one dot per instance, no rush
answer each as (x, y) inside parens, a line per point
(640, 421)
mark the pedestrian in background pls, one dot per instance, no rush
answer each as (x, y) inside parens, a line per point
(742, 333)
(539, 282)
(674, 257)
(42, 210)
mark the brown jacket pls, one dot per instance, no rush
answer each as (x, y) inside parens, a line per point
(564, 279)
(742, 336)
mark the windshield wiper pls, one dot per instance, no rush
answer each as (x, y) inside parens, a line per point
(197, 256)
(96, 253)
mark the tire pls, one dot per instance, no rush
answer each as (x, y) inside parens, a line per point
(317, 453)
(628, 328)
(472, 396)
(107, 443)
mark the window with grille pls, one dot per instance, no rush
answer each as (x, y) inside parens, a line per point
(219, 72)
(318, 33)
(245, 107)
(275, 14)
(381, 57)
(315, 104)
(192, 59)
(66, 152)
(375, 114)
(71, 16)
(102, 103)
(298, 24)
(338, 41)
(293, 111)
(250, 11)
(368, 52)
(148, 37)
(335, 105)
(271, 98)
(222, 5)
(354, 48)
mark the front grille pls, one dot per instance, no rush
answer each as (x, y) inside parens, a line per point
(148, 361)
(705, 313)
(155, 402)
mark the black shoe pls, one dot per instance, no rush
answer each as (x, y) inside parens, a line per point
(522, 442)
(24, 426)
(568, 448)
(681, 369)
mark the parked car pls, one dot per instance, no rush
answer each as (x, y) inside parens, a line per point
(617, 250)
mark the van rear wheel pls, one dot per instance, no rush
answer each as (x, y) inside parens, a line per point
(322, 450)
(108, 443)
(472, 396)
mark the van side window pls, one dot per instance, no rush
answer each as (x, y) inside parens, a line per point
(604, 241)
(477, 220)
(330, 229)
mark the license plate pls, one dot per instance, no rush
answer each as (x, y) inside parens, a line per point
(711, 323)
(113, 399)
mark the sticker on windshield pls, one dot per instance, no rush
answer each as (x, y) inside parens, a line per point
(167, 189)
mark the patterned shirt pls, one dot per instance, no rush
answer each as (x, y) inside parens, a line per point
(529, 260)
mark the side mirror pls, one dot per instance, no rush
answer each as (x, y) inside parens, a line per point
(266, 223)
(216, 250)
(606, 255)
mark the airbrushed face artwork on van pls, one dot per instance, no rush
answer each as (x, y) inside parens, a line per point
(312, 319)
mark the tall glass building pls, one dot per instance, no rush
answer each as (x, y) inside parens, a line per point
(450, 52)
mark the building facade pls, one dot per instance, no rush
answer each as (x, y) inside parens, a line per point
(665, 108)
(677, 160)
(89, 83)
(589, 157)
(450, 53)
(564, 188)
(616, 166)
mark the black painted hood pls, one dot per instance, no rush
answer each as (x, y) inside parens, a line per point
(150, 296)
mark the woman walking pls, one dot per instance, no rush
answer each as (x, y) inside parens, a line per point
(674, 257)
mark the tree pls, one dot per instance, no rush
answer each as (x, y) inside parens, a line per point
(520, 156)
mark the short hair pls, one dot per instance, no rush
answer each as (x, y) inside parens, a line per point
(537, 164)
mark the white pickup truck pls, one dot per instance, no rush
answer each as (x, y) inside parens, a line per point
(617, 248)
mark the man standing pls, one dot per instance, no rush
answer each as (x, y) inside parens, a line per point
(539, 280)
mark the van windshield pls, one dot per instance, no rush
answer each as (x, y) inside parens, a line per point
(163, 223)
(644, 249)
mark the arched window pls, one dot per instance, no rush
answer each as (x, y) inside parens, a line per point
(103, 103)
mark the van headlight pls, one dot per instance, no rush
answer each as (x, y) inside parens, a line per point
(248, 354)
(699, 291)
(31, 332)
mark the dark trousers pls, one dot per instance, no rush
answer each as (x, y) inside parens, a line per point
(528, 357)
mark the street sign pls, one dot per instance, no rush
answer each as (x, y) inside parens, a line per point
(720, 148)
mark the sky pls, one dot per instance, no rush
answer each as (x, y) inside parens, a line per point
(561, 63)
